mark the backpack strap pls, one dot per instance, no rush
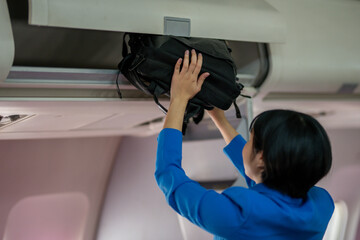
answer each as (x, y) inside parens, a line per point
(237, 110)
(117, 85)
(156, 91)
(124, 46)
(192, 111)
(199, 116)
(125, 56)
(162, 108)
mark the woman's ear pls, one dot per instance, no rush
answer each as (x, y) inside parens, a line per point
(260, 164)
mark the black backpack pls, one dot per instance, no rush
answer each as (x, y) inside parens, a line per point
(150, 65)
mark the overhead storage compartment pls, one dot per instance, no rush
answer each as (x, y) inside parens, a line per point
(240, 20)
(63, 57)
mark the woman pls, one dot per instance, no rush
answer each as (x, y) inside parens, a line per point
(287, 154)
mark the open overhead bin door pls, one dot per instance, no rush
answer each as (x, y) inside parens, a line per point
(6, 41)
(239, 20)
(76, 57)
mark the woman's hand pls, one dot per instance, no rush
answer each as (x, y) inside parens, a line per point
(184, 86)
(185, 83)
(227, 131)
(216, 114)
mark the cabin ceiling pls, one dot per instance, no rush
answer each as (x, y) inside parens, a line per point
(64, 119)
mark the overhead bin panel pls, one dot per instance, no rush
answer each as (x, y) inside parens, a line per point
(63, 57)
(239, 20)
(6, 41)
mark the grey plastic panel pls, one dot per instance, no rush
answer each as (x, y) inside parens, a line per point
(177, 26)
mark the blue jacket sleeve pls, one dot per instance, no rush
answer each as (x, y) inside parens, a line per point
(234, 152)
(208, 209)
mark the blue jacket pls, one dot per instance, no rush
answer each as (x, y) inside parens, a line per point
(257, 212)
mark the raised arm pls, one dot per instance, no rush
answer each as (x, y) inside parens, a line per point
(185, 84)
(227, 131)
(185, 196)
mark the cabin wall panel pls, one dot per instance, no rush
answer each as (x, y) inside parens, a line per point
(51, 166)
(343, 179)
(135, 208)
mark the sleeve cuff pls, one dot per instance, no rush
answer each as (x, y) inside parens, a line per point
(169, 151)
(234, 151)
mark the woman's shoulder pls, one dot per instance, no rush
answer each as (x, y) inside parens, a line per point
(241, 196)
(319, 194)
(261, 193)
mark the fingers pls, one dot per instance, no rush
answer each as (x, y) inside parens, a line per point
(198, 64)
(202, 79)
(177, 66)
(193, 61)
(186, 62)
(194, 68)
(195, 64)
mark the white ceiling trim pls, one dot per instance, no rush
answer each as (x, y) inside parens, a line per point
(244, 20)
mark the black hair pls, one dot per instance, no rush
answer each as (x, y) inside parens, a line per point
(296, 150)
